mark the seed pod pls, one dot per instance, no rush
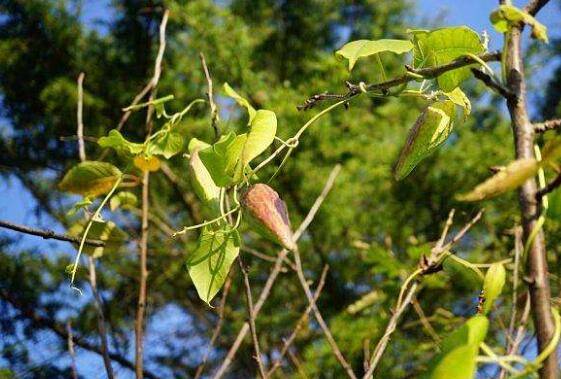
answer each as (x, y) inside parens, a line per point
(267, 213)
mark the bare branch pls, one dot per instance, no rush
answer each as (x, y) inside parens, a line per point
(492, 83)
(70, 343)
(428, 73)
(287, 342)
(143, 274)
(48, 234)
(100, 318)
(46, 323)
(541, 127)
(534, 6)
(275, 271)
(550, 187)
(214, 117)
(251, 320)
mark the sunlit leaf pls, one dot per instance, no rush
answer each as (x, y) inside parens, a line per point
(240, 100)
(507, 14)
(431, 129)
(90, 178)
(123, 199)
(219, 157)
(508, 179)
(460, 363)
(202, 182)
(155, 102)
(196, 144)
(147, 163)
(106, 231)
(442, 46)
(458, 97)
(167, 144)
(472, 332)
(493, 285)
(210, 263)
(364, 48)
(116, 141)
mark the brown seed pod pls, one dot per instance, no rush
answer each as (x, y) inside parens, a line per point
(267, 213)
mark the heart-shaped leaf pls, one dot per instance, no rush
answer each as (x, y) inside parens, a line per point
(116, 141)
(167, 144)
(364, 48)
(210, 263)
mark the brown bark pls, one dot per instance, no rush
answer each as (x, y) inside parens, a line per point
(524, 148)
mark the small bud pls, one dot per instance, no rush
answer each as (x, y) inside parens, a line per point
(268, 215)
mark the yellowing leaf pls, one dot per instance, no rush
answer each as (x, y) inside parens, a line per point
(431, 129)
(240, 100)
(90, 178)
(511, 177)
(506, 15)
(364, 48)
(493, 285)
(147, 164)
(123, 199)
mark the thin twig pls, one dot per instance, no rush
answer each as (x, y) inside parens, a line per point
(214, 117)
(79, 121)
(143, 274)
(100, 318)
(275, 271)
(550, 187)
(70, 343)
(541, 127)
(48, 234)
(218, 326)
(251, 320)
(59, 329)
(424, 321)
(427, 73)
(287, 342)
(492, 83)
(323, 325)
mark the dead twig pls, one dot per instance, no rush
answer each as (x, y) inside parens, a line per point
(214, 117)
(70, 344)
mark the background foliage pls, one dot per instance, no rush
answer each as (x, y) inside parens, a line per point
(371, 230)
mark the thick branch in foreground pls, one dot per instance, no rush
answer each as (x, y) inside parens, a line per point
(427, 73)
(48, 234)
(537, 270)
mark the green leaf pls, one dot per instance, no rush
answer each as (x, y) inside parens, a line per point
(506, 15)
(240, 100)
(442, 46)
(460, 363)
(123, 199)
(431, 129)
(221, 158)
(90, 178)
(210, 263)
(364, 48)
(458, 97)
(106, 231)
(156, 103)
(116, 141)
(196, 144)
(82, 204)
(472, 332)
(202, 182)
(167, 144)
(493, 285)
(508, 179)
(261, 135)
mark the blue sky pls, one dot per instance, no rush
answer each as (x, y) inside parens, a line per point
(17, 205)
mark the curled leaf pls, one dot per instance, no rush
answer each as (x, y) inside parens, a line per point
(124, 200)
(116, 141)
(506, 15)
(493, 285)
(431, 129)
(268, 215)
(511, 177)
